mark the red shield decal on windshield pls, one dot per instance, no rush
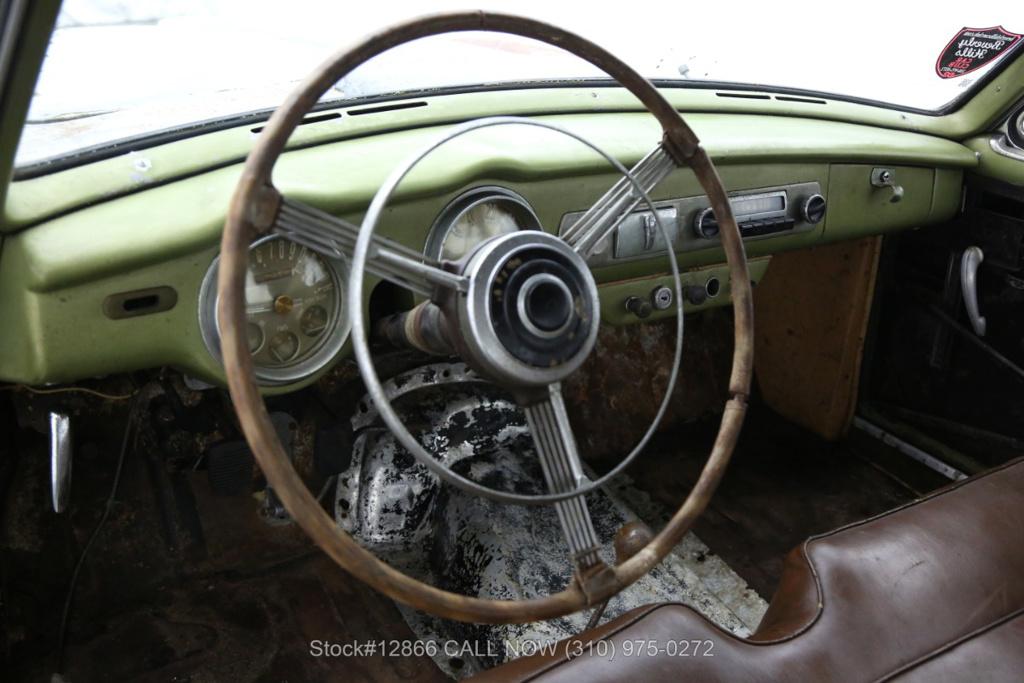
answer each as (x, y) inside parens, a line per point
(973, 48)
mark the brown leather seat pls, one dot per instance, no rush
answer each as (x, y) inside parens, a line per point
(932, 591)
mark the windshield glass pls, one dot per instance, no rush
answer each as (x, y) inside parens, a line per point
(116, 70)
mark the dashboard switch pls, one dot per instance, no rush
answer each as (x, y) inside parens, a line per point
(639, 234)
(638, 306)
(695, 294)
(650, 231)
(705, 224)
(813, 209)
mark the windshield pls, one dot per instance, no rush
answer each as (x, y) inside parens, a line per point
(116, 70)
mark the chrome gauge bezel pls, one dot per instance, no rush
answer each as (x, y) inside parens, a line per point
(334, 337)
(469, 200)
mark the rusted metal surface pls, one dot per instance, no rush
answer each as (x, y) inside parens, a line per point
(244, 604)
(245, 213)
(248, 606)
(612, 399)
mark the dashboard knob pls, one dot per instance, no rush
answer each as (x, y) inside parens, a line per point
(813, 209)
(640, 307)
(695, 294)
(705, 224)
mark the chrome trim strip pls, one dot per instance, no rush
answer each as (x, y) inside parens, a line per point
(60, 460)
(926, 459)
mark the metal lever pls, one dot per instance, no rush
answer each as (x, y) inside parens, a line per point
(650, 231)
(969, 262)
(886, 177)
(630, 539)
(60, 460)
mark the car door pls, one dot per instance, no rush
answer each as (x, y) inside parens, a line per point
(946, 369)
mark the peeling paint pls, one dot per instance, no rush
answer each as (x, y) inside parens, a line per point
(474, 546)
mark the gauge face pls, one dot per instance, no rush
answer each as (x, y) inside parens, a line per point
(475, 217)
(285, 286)
(314, 321)
(295, 318)
(475, 225)
(256, 337)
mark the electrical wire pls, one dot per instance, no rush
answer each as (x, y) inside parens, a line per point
(61, 639)
(64, 390)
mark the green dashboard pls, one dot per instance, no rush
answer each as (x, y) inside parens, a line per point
(101, 273)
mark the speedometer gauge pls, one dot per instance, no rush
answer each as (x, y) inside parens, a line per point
(476, 216)
(295, 315)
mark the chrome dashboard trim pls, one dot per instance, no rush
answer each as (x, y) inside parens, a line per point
(678, 215)
(469, 200)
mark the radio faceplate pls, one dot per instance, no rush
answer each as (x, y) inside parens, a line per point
(690, 223)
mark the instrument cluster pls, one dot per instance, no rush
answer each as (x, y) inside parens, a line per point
(296, 317)
(296, 308)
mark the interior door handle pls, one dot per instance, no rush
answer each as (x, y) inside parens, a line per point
(969, 262)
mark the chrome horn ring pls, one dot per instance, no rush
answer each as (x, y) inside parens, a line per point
(361, 348)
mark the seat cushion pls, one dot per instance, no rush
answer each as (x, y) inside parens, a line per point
(931, 591)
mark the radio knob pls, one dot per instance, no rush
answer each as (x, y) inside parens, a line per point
(705, 224)
(813, 209)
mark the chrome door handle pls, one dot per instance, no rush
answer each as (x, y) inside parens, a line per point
(969, 262)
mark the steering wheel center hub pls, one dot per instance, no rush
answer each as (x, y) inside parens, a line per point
(531, 314)
(545, 305)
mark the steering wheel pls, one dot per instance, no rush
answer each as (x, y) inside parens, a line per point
(522, 309)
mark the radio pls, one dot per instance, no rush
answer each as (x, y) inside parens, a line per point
(691, 224)
(762, 214)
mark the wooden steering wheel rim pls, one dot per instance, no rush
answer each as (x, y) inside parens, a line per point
(249, 209)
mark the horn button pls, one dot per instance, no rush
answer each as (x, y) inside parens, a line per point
(545, 305)
(538, 308)
(530, 314)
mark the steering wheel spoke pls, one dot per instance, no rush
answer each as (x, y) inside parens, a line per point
(618, 202)
(335, 238)
(563, 472)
